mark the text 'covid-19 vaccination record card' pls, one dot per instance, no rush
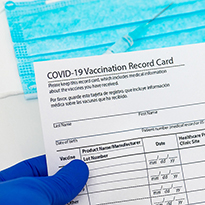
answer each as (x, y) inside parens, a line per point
(137, 119)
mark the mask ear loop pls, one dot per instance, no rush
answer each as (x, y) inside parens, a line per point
(2, 9)
(10, 94)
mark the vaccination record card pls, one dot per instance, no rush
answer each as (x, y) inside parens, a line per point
(137, 119)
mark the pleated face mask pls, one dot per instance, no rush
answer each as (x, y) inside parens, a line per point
(67, 29)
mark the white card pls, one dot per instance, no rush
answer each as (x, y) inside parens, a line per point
(137, 120)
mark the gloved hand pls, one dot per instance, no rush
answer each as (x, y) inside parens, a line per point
(27, 183)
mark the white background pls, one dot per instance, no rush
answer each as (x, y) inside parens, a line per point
(20, 126)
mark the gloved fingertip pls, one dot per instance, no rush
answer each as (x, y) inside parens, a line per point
(68, 181)
(78, 169)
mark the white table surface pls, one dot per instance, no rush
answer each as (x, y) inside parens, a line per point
(20, 127)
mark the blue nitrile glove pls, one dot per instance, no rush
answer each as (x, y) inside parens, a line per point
(27, 183)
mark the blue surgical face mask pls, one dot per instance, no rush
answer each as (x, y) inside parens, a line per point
(69, 29)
